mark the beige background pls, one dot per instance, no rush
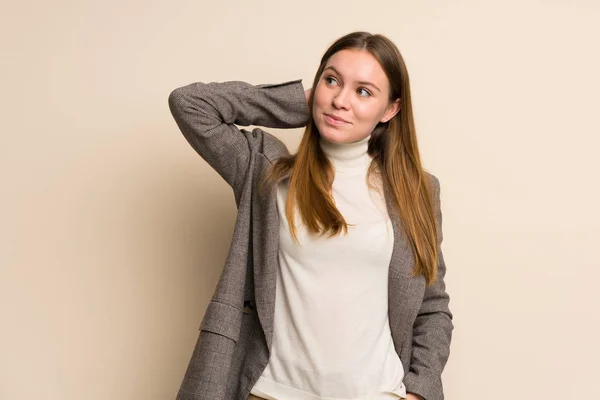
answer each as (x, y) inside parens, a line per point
(113, 231)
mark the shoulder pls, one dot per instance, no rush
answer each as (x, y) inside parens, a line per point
(433, 181)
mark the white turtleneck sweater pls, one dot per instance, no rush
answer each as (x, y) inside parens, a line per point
(332, 339)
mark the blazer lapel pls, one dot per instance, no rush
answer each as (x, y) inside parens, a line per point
(404, 291)
(265, 248)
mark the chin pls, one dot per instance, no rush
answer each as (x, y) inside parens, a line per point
(333, 138)
(332, 135)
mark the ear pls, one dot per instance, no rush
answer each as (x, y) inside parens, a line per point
(391, 111)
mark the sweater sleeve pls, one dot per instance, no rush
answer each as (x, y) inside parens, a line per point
(432, 330)
(207, 115)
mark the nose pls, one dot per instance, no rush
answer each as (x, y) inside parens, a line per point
(341, 99)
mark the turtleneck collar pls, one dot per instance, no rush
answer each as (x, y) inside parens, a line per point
(347, 157)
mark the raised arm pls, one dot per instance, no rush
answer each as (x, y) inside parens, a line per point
(207, 115)
(432, 330)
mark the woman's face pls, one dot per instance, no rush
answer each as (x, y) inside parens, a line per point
(352, 97)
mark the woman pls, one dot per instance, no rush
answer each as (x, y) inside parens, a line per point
(333, 286)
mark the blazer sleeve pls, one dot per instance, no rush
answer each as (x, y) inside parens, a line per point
(432, 330)
(207, 115)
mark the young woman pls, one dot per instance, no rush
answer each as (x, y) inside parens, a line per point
(334, 283)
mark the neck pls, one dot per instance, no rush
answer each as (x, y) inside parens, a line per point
(347, 157)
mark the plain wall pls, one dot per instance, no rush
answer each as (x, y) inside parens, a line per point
(113, 231)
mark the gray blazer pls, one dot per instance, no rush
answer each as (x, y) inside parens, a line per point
(237, 329)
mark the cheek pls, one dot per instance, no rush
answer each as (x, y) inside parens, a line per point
(320, 97)
(367, 113)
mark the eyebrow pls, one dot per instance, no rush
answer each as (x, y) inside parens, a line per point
(359, 82)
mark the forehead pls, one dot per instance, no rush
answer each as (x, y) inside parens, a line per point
(358, 65)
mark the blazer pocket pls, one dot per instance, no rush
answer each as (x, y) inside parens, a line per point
(222, 319)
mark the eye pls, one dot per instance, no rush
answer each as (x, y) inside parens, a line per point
(330, 80)
(362, 92)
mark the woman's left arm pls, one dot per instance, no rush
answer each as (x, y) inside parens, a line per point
(432, 330)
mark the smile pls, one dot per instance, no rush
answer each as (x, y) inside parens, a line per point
(334, 121)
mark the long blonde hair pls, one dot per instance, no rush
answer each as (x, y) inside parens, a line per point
(396, 162)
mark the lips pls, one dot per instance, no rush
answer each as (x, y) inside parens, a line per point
(335, 118)
(334, 121)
